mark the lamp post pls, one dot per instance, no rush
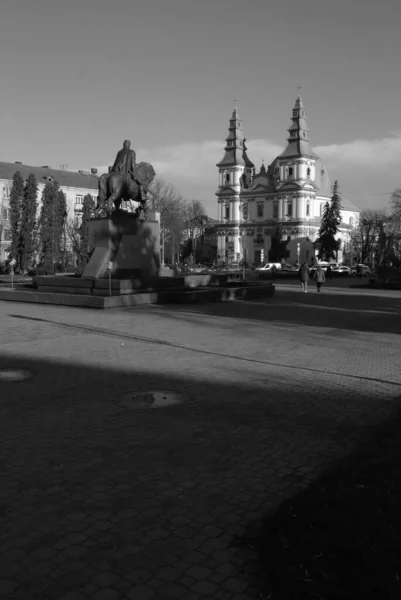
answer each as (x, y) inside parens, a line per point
(298, 251)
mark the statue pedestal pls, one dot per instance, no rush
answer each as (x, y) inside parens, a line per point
(132, 245)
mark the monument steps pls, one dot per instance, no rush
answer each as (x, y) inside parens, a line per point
(96, 293)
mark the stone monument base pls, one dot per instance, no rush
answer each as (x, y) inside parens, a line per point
(129, 243)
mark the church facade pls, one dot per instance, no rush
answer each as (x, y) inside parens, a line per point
(290, 194)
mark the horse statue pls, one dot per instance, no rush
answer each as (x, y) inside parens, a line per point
(114, 188)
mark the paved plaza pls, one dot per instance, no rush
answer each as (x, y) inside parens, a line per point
(101, 501)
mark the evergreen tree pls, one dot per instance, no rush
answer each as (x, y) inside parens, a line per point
(28, 222)
(16, 196)
(87, 210)
(278, 249)
(51, 223)
(331, 219)
(59, 227)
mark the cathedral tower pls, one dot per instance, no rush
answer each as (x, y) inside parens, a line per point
(235, 173)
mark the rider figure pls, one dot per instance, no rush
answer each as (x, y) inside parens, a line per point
(125, 163)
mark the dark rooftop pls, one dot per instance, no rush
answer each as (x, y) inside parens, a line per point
(64, 178)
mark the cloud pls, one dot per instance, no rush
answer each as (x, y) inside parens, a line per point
(378, 154)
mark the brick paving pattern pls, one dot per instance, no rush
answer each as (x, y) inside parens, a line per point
(100, 501)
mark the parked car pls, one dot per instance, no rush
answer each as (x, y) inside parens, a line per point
(343, 269)
(289, 268)
(322, 264)
(364, 270)
(268, 267)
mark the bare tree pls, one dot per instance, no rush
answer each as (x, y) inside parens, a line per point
(366, 233)
(195, 218)
(164, 199)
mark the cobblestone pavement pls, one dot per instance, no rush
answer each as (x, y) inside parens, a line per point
(100, 501)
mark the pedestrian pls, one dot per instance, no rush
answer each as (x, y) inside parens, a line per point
(304, 276)
(319, 277)
(329, 273)
(274, 271)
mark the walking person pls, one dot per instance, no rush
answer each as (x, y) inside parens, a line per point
(329, 273)
(304, 276)
(320, 278)
(274, 271)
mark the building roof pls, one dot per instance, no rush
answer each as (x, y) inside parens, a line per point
(298, 140)
(348, 205)
(235, 150)
(64, 178)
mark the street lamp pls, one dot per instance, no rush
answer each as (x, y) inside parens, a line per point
(298, 251)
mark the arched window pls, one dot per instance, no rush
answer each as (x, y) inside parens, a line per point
(227, 177)
(308, 172)
(290, 171)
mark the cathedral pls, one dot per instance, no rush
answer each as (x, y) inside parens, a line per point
(290, 194)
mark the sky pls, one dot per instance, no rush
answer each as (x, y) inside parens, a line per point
(79, 77)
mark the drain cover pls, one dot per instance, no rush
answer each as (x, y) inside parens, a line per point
(14, 375)
(151, 399)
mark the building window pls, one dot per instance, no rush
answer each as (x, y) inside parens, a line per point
(351, 221)
(289, 208)
(260, 209)
(321, 209)
(7, 235)
(79, 199)
(308, 172)
(290, 172)
(307, 209)
(227, 213)
(6, 214)
(6, 193)
(322, 172)
(245, 211)
(275, 209)
(227, 177)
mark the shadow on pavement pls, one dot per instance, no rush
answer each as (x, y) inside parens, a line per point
(339, 311)
(152, 503)
(338, 539)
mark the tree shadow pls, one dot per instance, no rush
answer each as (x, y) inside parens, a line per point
(153, 497)
(339, 311)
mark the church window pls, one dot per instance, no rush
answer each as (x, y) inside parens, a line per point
(290, 172)
(227, 213)
(275, 209)
(322, 172)
(307, 209)
(289, 208)
(227, 177)
(308, 172)
(260, 209)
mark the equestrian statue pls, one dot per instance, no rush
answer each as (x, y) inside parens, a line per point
(126, 181)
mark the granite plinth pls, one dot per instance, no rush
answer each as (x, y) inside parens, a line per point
(132, 245)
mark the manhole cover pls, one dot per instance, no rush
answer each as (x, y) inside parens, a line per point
(13, 375)
(154, 399)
